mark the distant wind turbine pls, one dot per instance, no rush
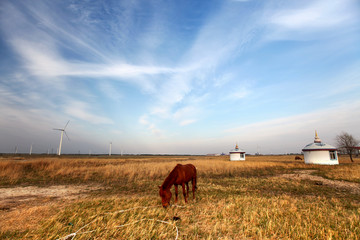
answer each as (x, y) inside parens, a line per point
(61, 136)
(110, 149)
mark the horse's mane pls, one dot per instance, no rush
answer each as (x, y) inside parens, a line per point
(170, 179)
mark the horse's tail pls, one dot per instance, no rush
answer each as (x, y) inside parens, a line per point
(195, 178)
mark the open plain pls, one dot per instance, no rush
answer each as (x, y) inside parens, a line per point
(264, 197)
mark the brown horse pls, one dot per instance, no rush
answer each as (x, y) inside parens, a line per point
(180, 175)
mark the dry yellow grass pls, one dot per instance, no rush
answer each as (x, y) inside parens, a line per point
(133, 168)
(25, 217)
(235, 200)
(348, 172)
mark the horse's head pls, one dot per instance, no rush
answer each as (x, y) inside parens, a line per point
(165, 196)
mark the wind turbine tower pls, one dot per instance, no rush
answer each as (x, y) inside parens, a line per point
(62, 130)
(110, 149)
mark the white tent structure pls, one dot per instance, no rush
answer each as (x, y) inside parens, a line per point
(237, 154)
(320, 153)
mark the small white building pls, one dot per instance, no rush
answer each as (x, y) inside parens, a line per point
(237, 154)
(320, 153)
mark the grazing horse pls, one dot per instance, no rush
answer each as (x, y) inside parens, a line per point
(180, 175)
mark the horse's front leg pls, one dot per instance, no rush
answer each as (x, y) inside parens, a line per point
(176, 193)
(184, 193)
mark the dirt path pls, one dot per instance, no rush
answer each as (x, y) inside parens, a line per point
(13, 197)
(307, 175)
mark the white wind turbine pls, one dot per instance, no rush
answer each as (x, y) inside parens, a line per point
(30, 149)
(110, 148)
(61, 136)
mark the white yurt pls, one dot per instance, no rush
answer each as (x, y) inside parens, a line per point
(320, 153)
(237, 154)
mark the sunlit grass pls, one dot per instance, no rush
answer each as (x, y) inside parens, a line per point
(65, 170)
(235, 200)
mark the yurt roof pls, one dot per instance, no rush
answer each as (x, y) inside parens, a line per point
(237, 150)
(318, 145)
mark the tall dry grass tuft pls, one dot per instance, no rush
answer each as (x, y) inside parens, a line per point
(10, 172)
(350, 172)
(59, 170)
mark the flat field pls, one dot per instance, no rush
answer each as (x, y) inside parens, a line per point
(264, 197)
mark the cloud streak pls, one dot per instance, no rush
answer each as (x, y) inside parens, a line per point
(329, 120)
(81, 111)
(216, 42)
(307, 21)
(317, 15)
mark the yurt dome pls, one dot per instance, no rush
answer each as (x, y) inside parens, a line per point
(237, 154)
(320, 153)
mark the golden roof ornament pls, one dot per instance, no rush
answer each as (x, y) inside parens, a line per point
(317, 139)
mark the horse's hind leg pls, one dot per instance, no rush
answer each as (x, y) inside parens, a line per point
(187, 190)
(184, 193)
(193, 187)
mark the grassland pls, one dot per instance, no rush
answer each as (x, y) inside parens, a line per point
(235, 200)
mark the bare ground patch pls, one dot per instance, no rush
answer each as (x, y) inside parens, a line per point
(19, 195)
(307, 175)
(25, 207)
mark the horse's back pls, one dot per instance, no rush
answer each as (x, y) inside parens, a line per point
(186, 172)
(187, 168)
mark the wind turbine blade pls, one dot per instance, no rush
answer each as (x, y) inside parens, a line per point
(66, 135)
(66, 124)
(58, 129)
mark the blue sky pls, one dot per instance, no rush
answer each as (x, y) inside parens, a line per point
(182, 77)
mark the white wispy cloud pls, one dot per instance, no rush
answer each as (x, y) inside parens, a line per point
(39, 59)
(186, 115)
(82, 110)
(41, 49)
(46, 62)
(187, 122)
(318, 14)
(217, 42)
(307, 21)
(150, 126)
(329, 121)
